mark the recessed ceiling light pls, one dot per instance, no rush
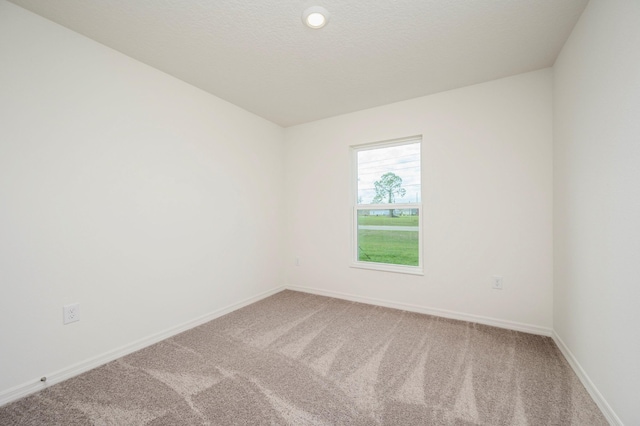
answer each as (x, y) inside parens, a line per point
(315, 17)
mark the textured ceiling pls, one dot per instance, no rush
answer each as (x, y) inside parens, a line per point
(259, 55)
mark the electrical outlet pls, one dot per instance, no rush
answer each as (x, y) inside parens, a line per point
(71, 313)
(497, 283)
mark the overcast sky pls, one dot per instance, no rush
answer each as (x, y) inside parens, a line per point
(403, 160)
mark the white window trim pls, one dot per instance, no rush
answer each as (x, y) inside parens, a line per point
(386, 267)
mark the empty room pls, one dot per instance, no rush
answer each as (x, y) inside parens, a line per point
(413, 212)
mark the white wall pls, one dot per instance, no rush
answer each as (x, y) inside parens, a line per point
(487, 191)
(144, 199)
(597, 200)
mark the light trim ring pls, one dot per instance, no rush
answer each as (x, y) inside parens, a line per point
(315, 17)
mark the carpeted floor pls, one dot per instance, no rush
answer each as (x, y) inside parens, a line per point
(301, 359)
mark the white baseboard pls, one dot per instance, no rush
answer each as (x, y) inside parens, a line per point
(25, 389)
(597, 397)
(510, 325)
(36, 385)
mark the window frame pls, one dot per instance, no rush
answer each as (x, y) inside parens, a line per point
(355, 208)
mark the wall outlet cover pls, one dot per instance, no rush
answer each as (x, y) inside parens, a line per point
(71, 313)
(497, 282)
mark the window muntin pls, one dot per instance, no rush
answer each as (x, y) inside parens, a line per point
(387, 214)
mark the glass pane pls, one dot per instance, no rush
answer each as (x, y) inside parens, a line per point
(389, 175)
(388, 236)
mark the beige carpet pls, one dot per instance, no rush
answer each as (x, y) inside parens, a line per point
(301, 359)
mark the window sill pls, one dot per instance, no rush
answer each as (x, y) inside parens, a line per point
(386, 267)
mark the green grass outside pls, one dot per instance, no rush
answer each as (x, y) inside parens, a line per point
(388, 221)
(395, 247)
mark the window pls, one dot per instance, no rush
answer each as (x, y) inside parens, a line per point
(387, 221)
